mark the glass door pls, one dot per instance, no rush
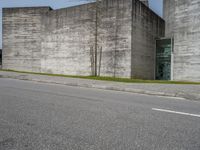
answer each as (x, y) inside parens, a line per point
(163, 59)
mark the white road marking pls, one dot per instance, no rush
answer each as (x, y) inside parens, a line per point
(176, 112)
(170, 97)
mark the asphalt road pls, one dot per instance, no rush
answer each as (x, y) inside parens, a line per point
(37, 116)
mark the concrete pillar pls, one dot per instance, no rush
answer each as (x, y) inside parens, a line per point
(182, 24)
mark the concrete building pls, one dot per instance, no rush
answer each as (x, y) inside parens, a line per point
(127, 40)
(63, 41)
(183, 27)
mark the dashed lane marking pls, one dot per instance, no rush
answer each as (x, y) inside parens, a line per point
(176, 112)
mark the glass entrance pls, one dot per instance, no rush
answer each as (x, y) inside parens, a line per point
(163, 59)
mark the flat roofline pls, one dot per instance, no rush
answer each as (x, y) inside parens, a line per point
(28, 7)
(74, 6)
(50, 8)
(89, 3)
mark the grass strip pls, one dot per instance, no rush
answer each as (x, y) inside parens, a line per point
(102, 78)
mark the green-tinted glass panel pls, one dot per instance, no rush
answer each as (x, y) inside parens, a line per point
(163, 59)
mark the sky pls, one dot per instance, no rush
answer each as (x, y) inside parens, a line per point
(155, 5)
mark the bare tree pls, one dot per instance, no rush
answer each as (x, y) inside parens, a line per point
(96, 10)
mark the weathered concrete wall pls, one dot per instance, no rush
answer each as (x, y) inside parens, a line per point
(146, 27)
(22, 33)
(66, 41)
(62, 41)
(116, 38)
(186, 33)
(69, 37)
(169, 16)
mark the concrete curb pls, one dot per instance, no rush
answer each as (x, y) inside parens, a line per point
(189, 96)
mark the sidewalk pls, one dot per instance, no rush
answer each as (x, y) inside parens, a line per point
(191, 92)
